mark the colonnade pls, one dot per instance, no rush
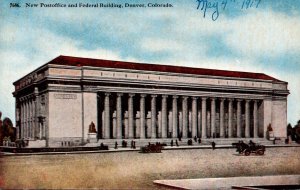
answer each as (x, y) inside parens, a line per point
(173, 116)
(31, 126)
(27, 111)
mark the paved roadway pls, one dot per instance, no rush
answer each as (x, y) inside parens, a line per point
(128, 170)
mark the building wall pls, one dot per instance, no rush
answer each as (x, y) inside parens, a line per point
(90, 111)
(279, 117)
(65, 115)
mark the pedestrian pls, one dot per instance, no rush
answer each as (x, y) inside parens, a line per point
(195, 138)
(116, 145)
(176, 142)
(199, 140)
(133, 144)
(171, 142)
(213, 144)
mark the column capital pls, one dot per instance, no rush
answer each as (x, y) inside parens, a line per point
(222, 99)
(143, 95)
(131, 95)
(119, 94)
(164, 96)
(185, 97)
(230, 99)
(175, 97)
(239, 100)
(203, 98)
(107, 93)
(247, 100)
(153, 95)
(194, 97)
(255, 101)
(212, 98)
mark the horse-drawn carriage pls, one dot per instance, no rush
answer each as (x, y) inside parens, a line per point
(247, 149)
(152, 148)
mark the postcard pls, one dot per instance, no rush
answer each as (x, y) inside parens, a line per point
(149, 94)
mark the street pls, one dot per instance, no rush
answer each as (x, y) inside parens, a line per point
(136, 170)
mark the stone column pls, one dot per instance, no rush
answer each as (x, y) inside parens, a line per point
(247, 119)
(230, 118)
(36, 112)
(175, 117)
(213, 117)
(222, 126)
(28, 118)
(255, 118)
(25, 118)
(119, 115)
(238, 119)
(194, 116)
(22, 119)
(130, 116)
(142, 116)
(184, 117)
(203, 109)
(107, 116)
(153, 116)
(164, 118)
(33, 119)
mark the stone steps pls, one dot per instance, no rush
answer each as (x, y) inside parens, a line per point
(183, 142)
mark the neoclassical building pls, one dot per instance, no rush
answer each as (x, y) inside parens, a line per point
(58, 101)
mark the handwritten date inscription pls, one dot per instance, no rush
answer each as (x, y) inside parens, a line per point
(215, 6)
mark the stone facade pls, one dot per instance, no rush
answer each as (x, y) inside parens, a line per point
(58, 101)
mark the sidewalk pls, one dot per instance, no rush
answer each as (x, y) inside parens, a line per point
(120, 149)
(251, 182)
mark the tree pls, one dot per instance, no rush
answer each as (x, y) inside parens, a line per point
(1, 130)
(7, 129)
(296, 132)
(289, 130)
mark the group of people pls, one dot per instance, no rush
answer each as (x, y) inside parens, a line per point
(124, 144)
(189, 142)
(176, 142)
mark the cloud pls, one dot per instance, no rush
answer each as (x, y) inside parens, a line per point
(264, 34)
(158, 45)
(34, 53)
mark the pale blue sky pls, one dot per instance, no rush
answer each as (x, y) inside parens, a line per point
(264, 39)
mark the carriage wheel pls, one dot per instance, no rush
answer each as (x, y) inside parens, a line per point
(260, 152)
(247, 152)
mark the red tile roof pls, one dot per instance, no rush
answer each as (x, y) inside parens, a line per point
(79, 61)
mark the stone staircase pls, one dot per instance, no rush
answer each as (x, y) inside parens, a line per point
(183, 142)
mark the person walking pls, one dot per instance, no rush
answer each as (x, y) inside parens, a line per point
(213, 144)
